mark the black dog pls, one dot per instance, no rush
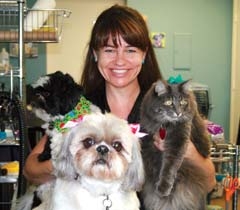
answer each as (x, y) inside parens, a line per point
(51, 97)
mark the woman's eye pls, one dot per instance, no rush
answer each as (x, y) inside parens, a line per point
(117, 146)
(88, 142)
(131, 51)
(109, 50)
(168, 103)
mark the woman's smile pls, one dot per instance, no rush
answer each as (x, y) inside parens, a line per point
(121, 64)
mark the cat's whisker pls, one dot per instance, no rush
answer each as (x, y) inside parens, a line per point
(179, 115)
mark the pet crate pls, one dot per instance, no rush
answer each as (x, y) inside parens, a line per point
(202, 99)
(40, 25)
(201, 93)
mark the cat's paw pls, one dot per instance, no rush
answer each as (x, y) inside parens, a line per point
(164, 188)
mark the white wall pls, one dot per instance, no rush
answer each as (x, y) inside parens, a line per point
(68, 55)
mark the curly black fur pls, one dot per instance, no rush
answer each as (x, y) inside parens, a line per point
(53, 95)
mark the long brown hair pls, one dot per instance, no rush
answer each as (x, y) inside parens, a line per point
(129, 24)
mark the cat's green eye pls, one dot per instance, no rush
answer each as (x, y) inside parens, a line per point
(168, 103)
(183, 102)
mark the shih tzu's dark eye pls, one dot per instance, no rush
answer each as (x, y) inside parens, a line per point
(88, 142)
(117, 146)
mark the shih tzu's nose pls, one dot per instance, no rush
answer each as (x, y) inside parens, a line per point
(102, 149)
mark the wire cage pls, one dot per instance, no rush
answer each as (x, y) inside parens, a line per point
(226, 158)
(8, 186)
(201, 92)
(12, 121)
(202, 98)
(39, 25)
(17, 25)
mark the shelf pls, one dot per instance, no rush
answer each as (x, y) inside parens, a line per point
(8, 179)
(43, 25)
(12, 72)
(19, 24)
(9, 142)
(224, 152)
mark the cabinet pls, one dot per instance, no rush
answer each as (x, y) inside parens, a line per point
(19, 24)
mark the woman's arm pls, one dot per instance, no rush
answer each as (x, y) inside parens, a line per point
(38, 172)
(205, 164)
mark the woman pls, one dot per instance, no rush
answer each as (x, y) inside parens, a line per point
(120, 67)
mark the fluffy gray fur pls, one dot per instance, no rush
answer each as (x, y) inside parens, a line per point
(173, 182)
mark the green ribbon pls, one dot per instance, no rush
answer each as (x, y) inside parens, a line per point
(175, 80)
(82, 108)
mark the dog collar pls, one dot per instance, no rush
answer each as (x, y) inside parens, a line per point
(82, 108)
(107, 203)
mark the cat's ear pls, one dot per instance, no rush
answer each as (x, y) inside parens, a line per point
(160, 87)
(186, 85)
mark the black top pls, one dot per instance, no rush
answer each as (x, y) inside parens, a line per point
(100, 100)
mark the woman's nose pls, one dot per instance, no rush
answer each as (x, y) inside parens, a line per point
(120, 58)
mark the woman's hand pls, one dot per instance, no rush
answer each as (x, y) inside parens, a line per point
(158, 142)
(38, 172)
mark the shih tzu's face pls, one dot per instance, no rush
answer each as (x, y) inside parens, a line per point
(100, 154)
(101, 147)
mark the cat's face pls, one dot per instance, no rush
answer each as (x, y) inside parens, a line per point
(173, 102)
(169, 103)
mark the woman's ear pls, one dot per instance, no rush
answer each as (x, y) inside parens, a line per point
(144, 56)
(95, 56)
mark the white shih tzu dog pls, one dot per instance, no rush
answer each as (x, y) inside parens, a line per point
(98, 166)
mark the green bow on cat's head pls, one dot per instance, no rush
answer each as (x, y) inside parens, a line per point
(175, 80)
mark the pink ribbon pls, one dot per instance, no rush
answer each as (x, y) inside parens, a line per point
(135, 127)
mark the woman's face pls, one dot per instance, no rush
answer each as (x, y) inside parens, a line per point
(120, 65)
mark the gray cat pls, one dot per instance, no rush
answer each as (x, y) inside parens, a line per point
(169, 112)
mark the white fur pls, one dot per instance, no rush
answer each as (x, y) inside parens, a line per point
(81, 182)
(41, 81)
(80, 198)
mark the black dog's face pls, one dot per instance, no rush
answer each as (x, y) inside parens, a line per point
(53, 94)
